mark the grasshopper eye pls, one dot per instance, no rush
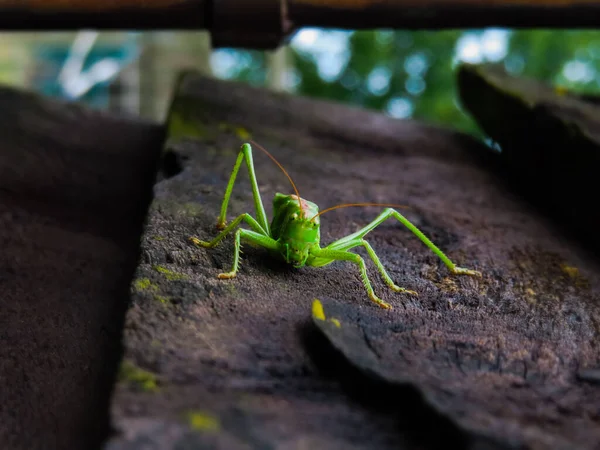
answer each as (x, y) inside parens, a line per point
(294, 216)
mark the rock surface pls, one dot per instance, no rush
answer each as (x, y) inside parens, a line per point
(506, 361)
(75, 186)
(549, 140)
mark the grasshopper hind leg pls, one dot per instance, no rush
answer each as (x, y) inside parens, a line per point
(386, 214)
(244, 154)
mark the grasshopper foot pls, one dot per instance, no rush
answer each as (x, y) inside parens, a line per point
(404, 290)
(199, 243)
(380, 302)
(463, 271)
(221, 225)
(226, 276)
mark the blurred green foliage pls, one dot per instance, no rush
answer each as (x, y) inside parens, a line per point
(415, 72)
(412, 74)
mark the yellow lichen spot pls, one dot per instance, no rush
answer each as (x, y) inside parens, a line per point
(169, 274)
(141, 378)
(201, 421)
(239, 131)
(570, 271)
(574, 274)
(561, 90)
(161, 298)
(530, 296)
(335, 322)
(449, 285)
(242, 133)
(319, 314)
(190, 209)
(158, 238)
(179, 128)
(144, 284)
(317, 310)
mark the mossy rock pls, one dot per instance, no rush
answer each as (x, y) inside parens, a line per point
(548, 138)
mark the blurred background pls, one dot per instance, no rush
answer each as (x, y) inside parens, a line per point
(405, 74)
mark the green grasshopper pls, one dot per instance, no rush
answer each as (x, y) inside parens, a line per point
(294, 232)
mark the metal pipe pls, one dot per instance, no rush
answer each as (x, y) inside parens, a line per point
(104, 14)
(444, 14)
(248, 23)
(264, 24)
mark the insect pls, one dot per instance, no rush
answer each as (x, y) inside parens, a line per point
(294, 232)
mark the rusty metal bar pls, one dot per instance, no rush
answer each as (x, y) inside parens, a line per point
(265, 24)
(104, 14)
(440, 14)
(250, 23)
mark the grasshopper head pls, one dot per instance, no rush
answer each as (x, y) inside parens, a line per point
(300, 236)
(293, 228)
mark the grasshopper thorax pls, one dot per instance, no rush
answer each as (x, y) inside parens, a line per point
(293, 228)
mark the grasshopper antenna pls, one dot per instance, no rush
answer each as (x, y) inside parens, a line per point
(284, 171)
(347, 205)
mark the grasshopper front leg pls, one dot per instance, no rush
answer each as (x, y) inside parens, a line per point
(252, 237)
(245, 153)
(242, 217)
(256, 237)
